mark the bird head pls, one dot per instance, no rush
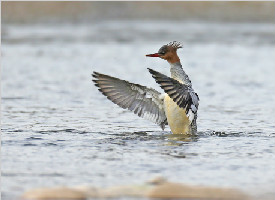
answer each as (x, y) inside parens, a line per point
(168, 52)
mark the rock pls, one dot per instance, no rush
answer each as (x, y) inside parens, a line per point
(54, 194)
(89, 191)
(125, 191)
(180, 191)
(155, 188)
(157, 180)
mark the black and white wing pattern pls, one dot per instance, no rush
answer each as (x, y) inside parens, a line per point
(182, 94)
(143, 101)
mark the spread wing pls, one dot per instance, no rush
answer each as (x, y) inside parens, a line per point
(182, 94)
(143, 101)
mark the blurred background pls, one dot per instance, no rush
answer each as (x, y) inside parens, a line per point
(75, 12)
(57, 129)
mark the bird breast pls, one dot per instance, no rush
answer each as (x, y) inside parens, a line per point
(176, 117)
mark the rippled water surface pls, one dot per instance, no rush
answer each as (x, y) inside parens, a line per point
(57, 129)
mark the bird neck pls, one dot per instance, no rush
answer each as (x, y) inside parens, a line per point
(173, 58)
(179, 74)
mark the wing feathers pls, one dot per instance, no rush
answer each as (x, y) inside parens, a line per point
(143, 101)
(181, 94)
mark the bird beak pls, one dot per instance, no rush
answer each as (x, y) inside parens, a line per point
(153, 55)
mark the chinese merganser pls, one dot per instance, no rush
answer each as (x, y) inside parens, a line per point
(177, 107)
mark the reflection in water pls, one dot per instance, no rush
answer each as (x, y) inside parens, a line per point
(180, 139)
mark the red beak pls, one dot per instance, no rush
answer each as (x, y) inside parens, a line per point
(153, 55)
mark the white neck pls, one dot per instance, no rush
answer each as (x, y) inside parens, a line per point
(179, 74)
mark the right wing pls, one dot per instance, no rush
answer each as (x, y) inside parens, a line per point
(182, 95)
(145, 102)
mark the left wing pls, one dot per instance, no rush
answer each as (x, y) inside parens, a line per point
(143, 101)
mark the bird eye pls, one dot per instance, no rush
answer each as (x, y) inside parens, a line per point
(163, 50)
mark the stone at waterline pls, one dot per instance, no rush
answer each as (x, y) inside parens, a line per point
(157, 188)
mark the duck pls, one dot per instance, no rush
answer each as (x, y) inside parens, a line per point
(176, 107)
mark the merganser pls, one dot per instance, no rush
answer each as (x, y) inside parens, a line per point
(177, 107)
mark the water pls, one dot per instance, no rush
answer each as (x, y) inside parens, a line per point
(57, 129)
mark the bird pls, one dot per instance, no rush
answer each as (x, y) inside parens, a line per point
(177, 106)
